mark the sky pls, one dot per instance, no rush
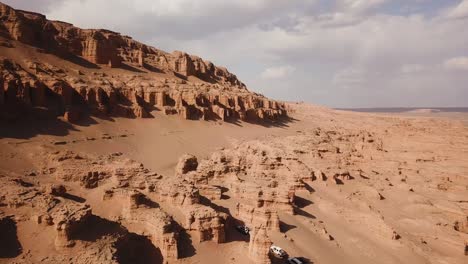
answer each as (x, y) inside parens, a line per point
(337, 53)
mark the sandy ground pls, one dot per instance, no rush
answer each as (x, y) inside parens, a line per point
(422, 175)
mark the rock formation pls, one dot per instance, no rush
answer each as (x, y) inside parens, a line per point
(186, 164)
(144, 218)
(208, 223)
(462, 225)
(259, 246)
(69, 219)
(254, 217)
(188, 86)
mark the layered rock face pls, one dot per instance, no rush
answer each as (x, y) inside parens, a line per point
(262, 179)
(174, 83)
(146, 197)
(259, 245)
(69, 219)
(150, 220)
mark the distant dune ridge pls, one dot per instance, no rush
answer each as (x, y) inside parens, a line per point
(409, 109)
(76, 72)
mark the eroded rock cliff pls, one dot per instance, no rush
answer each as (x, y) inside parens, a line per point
(145, 79)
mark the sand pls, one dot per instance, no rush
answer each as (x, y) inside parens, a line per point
(422, 175)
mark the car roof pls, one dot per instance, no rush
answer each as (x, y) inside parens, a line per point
(296, 260)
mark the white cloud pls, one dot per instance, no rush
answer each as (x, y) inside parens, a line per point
(362, 5)
(277, 72)
(182, 19)
(370, 45)
(412, 68)
(349, 77)
(193, 8)
(458, 63)
(460, 11)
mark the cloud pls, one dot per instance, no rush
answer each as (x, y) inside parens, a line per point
(460, 11)
(412, 68)
(458, 63)
(181, 19)
(361, 5)
(277, 72)
(41, 6)
(385, 50)
(349, 77)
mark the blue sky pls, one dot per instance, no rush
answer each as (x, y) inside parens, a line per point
(338, 53)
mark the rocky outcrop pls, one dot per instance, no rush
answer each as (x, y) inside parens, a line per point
(144, 217)
(255, 217)
(259, 245)
(208, 223)
(56, 190)
(182, 63)
(178, 194)
(99, 49)
(210, 93)
(461, 225)
(186, 164)
(69, 219)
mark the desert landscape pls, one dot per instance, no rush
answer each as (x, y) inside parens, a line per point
(113, 151)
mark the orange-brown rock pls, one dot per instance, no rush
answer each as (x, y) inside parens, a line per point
(72, 115)
(69, 219)
(211, 92)
(144, 217)
(255, 217)
(99, 49)
(462, 225)
(56, 189)
(186, 164)
(208, 223)
(182, 63)
(259, 245)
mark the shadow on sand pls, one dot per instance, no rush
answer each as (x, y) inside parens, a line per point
(137, 249)
(231, 222)
(10, 247)
(39, 121)
(131, 248)
(185, 244)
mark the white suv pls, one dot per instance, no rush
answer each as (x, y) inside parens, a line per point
(279, 252)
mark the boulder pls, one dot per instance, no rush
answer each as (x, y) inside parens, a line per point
(56, 190)
(72, 115)
(461, 225)
(186, 164)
